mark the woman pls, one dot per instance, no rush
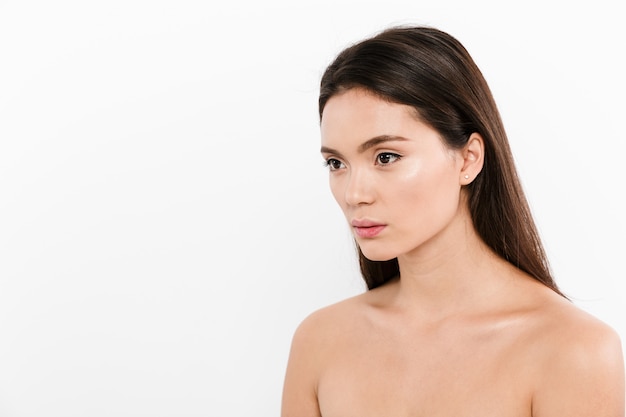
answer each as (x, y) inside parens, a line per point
(462, 316)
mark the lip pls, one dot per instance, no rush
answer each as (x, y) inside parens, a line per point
(367, 228)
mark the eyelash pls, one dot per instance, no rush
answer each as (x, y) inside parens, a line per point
(330, 162)
(395, 157)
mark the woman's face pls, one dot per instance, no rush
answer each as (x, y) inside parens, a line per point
(397, 183)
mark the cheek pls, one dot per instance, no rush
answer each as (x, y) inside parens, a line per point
(431, 186)
(336, 190)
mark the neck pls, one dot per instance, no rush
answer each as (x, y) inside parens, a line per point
(453, 273)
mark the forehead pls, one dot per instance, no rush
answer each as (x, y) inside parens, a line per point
(358, 115)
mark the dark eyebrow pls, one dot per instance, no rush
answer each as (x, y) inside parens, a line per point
(377, 140)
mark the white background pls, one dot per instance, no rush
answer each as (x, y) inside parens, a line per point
(165, 221)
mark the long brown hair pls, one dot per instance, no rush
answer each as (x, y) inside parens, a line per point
(432, 71)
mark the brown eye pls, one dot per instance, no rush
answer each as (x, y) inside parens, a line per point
(333, 164)
(387, 158)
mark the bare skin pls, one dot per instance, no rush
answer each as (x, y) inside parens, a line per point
(462, 332)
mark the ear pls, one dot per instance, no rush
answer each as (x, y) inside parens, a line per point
(473, 158)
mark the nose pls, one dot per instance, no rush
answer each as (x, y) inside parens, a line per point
(359, 188)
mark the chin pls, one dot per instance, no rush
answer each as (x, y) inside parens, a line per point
(377, 255)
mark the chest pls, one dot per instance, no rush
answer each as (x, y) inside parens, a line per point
(412, 375)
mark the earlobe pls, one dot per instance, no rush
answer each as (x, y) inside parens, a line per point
(473, 158)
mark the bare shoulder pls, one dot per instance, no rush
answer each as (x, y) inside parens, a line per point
(580, 362)
(558, 314)
(314, 341)
(569, 331)
(326, 324)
